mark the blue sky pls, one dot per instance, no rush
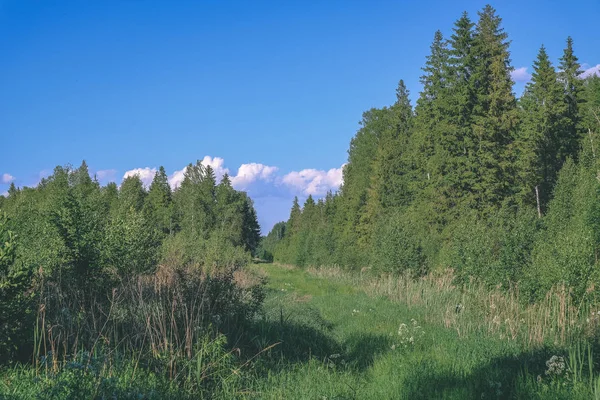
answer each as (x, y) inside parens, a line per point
(270, 91)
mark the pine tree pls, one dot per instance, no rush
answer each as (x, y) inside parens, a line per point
(250, 226)
(570, 70)
(429, 115)
(542, 133)
(131, 194)
(159, 203)
(293, 225)
(458, 141)
(389, 184)
(13, 191)
(111, 196)
(494, 112)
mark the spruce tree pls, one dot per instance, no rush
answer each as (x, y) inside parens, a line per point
(293, 225)
(570, 70)
(131, 194)
(159, 203)
(541, 135)
(391, 170)
(429, 111)
(494, 112)
(457, 140)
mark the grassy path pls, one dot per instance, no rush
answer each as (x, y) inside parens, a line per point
(336, 342)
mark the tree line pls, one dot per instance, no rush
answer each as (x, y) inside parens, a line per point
(69, 243)
(471, 178)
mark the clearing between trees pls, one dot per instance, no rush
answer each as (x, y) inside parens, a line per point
(355, 336)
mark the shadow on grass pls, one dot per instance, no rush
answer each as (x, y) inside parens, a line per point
(362, 349)
(299, 339)
(497, 379)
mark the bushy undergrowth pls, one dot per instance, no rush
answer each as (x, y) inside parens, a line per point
(99, 285)
(473, 307)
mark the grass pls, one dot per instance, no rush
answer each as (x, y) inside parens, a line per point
(330, 334)
(339, 339)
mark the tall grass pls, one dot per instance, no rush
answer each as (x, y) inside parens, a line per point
(169, 323)
(477, 308)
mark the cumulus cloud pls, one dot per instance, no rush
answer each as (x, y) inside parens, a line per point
(520, 75)
(146, 174)
(7, 178)
(106, 174)
(314, 182)
(249, 173)
(589, 71)
(216, 163)
(176, 178)
(5, 194)
(258, 179)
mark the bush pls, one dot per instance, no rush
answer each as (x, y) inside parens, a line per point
(16, 299)
(496, 249)
(397, 247)
(567, 252)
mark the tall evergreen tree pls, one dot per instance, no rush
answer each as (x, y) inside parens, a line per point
(390, 173)
(131, 194)
(457, 140)
(495, 113)
(293, 226)
(159, 203)
(570, 71)
(538, 145)
(428, 110)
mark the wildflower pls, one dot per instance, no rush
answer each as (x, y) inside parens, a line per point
(409, 334)
(556, 366)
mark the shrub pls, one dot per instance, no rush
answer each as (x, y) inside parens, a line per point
(397, 247)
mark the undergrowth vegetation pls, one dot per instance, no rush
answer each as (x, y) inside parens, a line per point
(110, 292)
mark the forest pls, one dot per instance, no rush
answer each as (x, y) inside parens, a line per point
(459, 259)
(498, 188)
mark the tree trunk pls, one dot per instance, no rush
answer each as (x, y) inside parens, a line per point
(537, 198)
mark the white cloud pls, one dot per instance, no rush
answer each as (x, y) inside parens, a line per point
(315, 182)
(258, 179)
(106, 174)
(5, 194)
(589, 71)
(520, 75)
(176, 178)
(248, 173)
(146, 174)
(6, 178)
(216, 163)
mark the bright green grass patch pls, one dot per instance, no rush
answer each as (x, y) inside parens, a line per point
(339, 343)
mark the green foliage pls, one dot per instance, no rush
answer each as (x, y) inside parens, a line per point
(470, 179)
(542, 144)
(396, 246)
(15, 299)
(496, 248)
(159, 203)
(94, 248)
(130, 244)
(574, 98)
(567, 252)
